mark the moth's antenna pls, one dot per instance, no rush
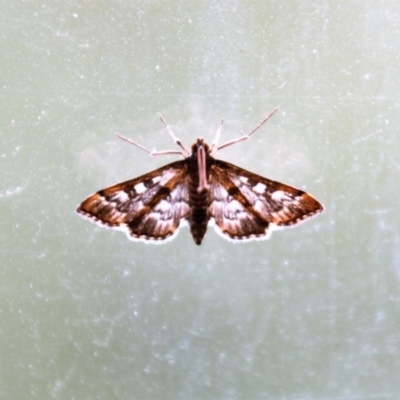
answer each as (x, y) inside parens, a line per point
(245, 137)
(263, 121)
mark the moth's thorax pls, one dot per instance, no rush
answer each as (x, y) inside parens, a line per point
(199, 164)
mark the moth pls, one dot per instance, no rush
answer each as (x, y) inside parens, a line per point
(199, 190)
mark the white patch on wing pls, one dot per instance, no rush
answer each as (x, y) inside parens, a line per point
(120, 196)
(163, 206)
(166, 176)
(140, 188)
(259, 188)
(259, 206)
(280, 196)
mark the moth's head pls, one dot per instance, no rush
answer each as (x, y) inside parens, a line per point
(200, 144)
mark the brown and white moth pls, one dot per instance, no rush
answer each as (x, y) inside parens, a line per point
(199, 189)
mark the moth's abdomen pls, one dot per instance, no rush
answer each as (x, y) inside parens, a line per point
(198, 217)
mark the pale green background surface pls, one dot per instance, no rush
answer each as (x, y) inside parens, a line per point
(313, 313)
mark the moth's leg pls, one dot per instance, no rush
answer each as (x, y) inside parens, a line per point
(152, 153)
(214, 145)
(132, 142)
(186, 152)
